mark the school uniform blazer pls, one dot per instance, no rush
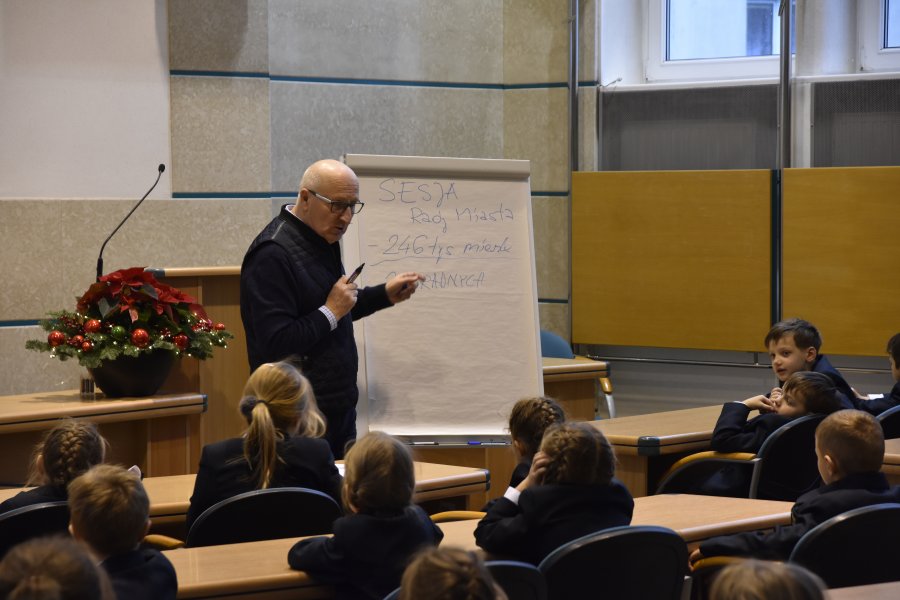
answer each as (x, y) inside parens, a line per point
(845, 394)
(811, 509)
(879, 405)
(39, 495)
(305, 462)
(734, 433)
(548, 516)
(518, 476)
(368, 553)
(142, 575)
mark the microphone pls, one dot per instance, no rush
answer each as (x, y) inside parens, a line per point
(160, 168)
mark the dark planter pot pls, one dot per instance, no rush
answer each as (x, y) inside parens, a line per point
(134, 376)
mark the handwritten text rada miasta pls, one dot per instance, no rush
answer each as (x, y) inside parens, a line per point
(426, 200)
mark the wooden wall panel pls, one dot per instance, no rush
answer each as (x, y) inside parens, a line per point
(842, 255)
(676, 259)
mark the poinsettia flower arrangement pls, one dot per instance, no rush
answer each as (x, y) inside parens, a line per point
(127, 313)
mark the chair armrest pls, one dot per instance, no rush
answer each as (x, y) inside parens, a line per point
(456, 515)
(162, 542)
(606, 385)
(706, 455)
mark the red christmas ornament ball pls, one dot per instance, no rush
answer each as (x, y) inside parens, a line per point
(220, 326)
(56, 338)
(140, 337)
(76, 340)
(181, 341)
(92, 326)
(87, 346)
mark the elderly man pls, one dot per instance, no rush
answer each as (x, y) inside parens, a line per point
(296, 302)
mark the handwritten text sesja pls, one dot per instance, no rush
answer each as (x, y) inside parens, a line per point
(437, 206)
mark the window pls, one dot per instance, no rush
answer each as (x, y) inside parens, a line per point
(892, 24)
(879, 35)
(712, 39)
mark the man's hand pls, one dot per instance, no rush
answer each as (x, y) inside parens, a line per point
(536, 473)
(341, 298)
(402, 286)
(760, 403)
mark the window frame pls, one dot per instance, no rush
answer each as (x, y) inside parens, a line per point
(873, 56)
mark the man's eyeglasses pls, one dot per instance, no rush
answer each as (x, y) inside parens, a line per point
(337, 206)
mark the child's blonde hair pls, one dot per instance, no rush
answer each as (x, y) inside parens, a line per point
(109, 509)
(277, 401)
(448, 574)
(816, 390)
(378, 474)
(578, 453)
(530, 418)
(854, 440)
(764, 580)
(65, 452)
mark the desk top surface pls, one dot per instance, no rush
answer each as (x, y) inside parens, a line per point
(878, 591)
(662, 432)
(37, 410)
(579, 364)
(171, 495)
(257, 566)
(892, 452)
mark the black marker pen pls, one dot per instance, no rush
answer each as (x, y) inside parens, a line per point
(355, 273)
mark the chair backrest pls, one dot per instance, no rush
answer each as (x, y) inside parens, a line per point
(265, 515)
(622, 562)
(853, 548)
(787, 466)
(553, 346)
(36, 520)
(890, 422)
(519, 580)
(393, 595)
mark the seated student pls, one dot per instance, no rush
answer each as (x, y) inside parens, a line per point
(794, 346)
(65, 452)
(879, 405)
(766, 580)
(370, 548)
(528, 420)
(281, 447)
(448, 574)
(804, 393)
(57, 568)
(569, 492)
(110, 513)
(850, 448)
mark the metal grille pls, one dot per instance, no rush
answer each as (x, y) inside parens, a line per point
(707, 128)
(856, 123)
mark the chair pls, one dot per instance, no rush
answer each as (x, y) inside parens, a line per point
(519, 580)
(448, 516)
(264, 515)
(784, 468)
(853, 548)
(622, 562)
(553, 346)
(393, 595)
(890, 422)
(36, 520)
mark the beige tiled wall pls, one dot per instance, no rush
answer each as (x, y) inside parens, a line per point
(212, 35)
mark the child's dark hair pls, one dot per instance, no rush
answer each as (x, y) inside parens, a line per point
(109, 509)
(578, 453)
(805, 333)
(765, 580)
(817, 390)
(448, 574)
(893, 348)
(67, 451)
(854, 439)
(530, 418)
(57, 568)
(378, 474)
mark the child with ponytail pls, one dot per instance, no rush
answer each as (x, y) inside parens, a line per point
(65, 452)
(282, 446)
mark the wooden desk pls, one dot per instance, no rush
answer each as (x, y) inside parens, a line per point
(646, 445)
(573, 382)
(158, 433)
(260, 570)
(877, 591)
(891, 467)
(170, 496)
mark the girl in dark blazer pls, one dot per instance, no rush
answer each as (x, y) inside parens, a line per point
(804, 392)
(372, 546)
(568, 493)
(67, 451)
(281, 447)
